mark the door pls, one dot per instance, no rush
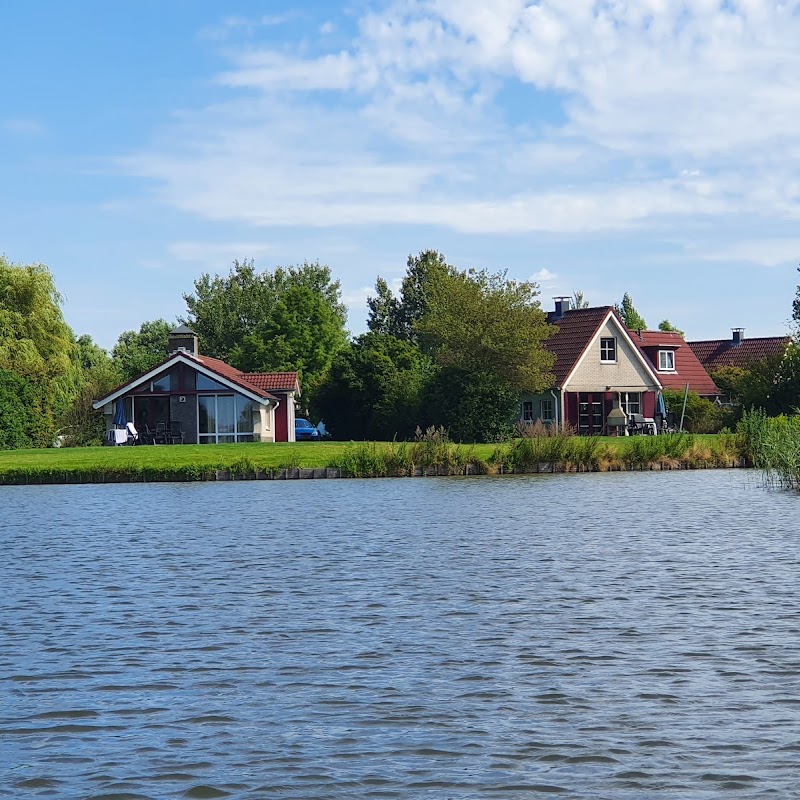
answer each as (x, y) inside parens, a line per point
(591, 413)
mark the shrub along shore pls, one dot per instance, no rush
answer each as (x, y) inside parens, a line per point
(431, 455)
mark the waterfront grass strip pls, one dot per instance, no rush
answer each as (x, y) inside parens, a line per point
(365, 459)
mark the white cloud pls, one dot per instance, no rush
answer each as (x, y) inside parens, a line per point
(764, 252)
(544, 276)
(640, 113)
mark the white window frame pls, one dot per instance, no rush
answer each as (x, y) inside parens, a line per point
(608, 344)
(666, 356)
(213, 438)
(527, 410)
(547, 410)
(632, 402)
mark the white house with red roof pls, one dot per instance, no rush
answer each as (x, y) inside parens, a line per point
(194, 398)
(603, 368)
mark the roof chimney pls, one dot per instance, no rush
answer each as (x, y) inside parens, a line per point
(182, 339)
(738, 336)
(562, 306)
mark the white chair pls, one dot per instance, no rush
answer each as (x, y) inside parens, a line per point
(133, 434)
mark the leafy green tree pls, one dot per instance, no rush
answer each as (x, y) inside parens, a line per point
(399, 316)
(472, 406)
(374, 388)
(291, 318)
(489, 324)
(666, 326)
(139, 351)
(633, 320)
(36, 344)
(25, 419)
(82, 425)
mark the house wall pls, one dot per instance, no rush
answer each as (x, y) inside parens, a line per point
(264, 425)
(536, 400)
(627, 373)
(186, 414)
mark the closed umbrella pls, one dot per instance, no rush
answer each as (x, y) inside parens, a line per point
(662, 409)
(119, 415)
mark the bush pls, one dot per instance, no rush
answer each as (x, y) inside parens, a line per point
(23, 419)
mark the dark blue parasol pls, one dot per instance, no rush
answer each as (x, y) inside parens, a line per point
(119, 415)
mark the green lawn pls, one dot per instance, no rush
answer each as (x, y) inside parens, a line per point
(202, 457)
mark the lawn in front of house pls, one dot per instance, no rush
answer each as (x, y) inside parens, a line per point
(197, 457)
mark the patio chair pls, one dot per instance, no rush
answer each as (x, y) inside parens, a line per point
(147, 436)
(133, 434)
(161, 433)
(175, 432)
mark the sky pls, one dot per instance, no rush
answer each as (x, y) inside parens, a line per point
(647, 146)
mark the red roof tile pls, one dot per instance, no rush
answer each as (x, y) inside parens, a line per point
(687, 368)
(575, 330)
(274, 381)
(717, 353)
(231, 373)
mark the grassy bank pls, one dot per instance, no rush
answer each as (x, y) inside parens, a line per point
(366, 459)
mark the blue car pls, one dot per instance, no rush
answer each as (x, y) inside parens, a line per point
(304, 431)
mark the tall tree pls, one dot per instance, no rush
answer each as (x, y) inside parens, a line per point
(36, 343)
(374, 389)
(81, 424)
(290, 318)
(633, 320)
(399, 316)
(488, 323)
(139, 351)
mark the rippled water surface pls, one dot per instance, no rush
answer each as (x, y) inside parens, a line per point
(598, 636)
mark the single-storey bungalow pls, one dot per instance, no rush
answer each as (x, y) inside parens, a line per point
(208, 400)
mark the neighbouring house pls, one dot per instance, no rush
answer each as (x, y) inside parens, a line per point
(600, 371)
(738, 351)
(675, 362)
(212, 401)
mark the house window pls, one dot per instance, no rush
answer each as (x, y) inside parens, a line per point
(204, 383)
(547, 411)
(632, 402)
(224, 419)
(608, 350)
(162, 384)
(666, 360)
(527, 411)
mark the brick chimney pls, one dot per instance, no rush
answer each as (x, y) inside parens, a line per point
(182, 339)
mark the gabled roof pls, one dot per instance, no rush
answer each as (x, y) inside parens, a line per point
(274, 381)
(687, 368)
(576, 330)
(226, 374)
(717, 353)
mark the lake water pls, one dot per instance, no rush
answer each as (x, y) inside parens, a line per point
(599, 636)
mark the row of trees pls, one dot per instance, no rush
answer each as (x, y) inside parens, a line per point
(452, 348)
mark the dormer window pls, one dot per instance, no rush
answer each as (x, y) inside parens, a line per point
(608, 350)
(666, 361)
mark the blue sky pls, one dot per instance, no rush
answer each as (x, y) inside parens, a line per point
(647, 146)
